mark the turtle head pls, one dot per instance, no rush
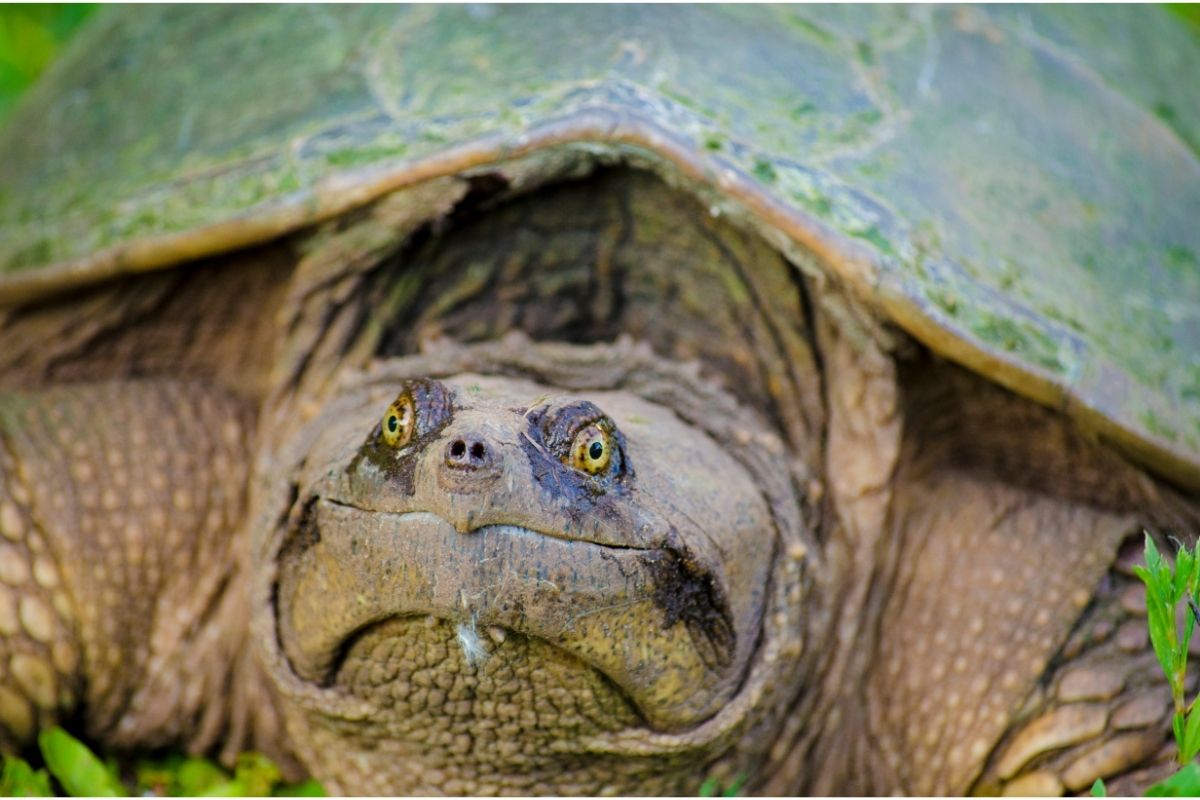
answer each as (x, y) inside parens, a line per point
(537, 573)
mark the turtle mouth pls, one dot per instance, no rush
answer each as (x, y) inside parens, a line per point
(469, 524)
(606, 606)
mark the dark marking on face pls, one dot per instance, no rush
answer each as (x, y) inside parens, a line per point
(688, 592)
(434, 404)
(305, 534)
(548, 443)
(555, 430)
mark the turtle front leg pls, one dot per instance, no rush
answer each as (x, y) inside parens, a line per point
(995, 646)
(121, 597)
(1101, 710)
(1012, 655)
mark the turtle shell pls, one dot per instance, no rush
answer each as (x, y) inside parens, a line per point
(1017, 188)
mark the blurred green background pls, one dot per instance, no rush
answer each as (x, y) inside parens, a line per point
(31, 35)
(1190, 12)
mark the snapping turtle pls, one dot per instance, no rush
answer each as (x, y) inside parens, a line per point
(512, 400)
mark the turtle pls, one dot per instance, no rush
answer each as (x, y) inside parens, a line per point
(629, 399)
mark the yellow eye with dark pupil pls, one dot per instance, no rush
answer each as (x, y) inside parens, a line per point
(590, 451)
(397, 429)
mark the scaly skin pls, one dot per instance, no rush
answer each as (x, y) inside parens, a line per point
(846, 568)
(120, 503)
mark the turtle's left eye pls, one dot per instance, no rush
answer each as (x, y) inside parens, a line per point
(591, 451)
(399, 422)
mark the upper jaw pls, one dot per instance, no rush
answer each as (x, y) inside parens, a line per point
(511, 499)
(604, 604)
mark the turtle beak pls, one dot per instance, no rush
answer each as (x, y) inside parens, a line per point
(466, 468)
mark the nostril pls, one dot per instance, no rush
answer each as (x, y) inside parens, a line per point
(468, 453)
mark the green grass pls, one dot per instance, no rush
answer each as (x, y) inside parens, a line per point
(72, 769)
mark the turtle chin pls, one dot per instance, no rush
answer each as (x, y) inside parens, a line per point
(368, 589)
(517, 697)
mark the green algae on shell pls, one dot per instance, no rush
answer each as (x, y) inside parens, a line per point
(1006, 185)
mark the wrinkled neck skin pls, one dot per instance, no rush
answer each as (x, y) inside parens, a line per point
(822, 749)
(468, 612)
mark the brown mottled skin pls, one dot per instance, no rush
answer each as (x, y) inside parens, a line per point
(817, 555)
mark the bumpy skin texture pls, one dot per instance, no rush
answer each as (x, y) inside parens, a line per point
(818, 556)
(119, 506)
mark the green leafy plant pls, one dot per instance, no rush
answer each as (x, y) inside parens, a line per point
(76, 767)
(21, 780)
(1172, 592)
(177, 776)
(75, 770)
(1172, 610)
(1184, 783)
(712, 787)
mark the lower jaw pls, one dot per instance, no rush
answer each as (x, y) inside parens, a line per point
(504, 714)
(446, 679)
(523, 717)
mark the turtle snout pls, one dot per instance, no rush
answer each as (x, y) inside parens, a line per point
(471, 462)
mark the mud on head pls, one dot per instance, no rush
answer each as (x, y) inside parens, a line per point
(509, 559)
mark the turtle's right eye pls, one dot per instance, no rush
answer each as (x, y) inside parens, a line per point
(399, 422)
